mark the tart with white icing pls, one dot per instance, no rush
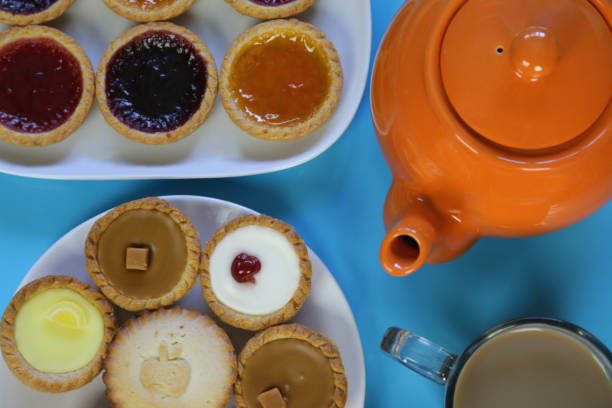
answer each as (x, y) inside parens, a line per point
(255, 272)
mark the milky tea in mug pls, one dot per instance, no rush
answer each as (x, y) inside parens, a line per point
(524, 363)
(533, 366)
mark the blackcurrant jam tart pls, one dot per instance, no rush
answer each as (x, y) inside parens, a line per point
(46, 85)
(149, 10)
(24, 12)
(255, 272)
(269, 9)
(281, 80)
(157, 83)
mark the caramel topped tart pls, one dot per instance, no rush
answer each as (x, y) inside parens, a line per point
(143, 254)
(281, 80)
(301, 365)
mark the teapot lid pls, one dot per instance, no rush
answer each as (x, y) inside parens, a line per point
(528, 74)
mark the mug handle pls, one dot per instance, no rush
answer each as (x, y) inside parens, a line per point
(419, 354)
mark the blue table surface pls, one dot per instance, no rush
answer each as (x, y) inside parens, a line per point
(335, 202)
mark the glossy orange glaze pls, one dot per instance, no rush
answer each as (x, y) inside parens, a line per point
(280, 79)
(481, 143)
(147, 4)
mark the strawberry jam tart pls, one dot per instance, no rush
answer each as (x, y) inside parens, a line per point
(46, 86)
(255, 272)
(156, 83)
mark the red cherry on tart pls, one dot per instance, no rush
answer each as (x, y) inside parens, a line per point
(24, 12)
(269, 9)
(46, 86)
(245, 267)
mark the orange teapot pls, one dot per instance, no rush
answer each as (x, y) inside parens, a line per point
(495, 117)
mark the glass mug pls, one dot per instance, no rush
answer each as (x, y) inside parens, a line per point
(533, 362)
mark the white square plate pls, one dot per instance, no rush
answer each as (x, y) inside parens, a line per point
(218, 148)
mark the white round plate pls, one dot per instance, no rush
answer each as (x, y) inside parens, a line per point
(326, 309)
(218, 148)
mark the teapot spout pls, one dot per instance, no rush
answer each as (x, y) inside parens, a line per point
(418, 233)
(407, 245)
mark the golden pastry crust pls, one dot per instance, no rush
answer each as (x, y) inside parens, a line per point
(198, 117)
(54, 383)
(190, 274)
(298, 332)
(48, 14)
(167, 12)
(298, 130)
(257, 322)
(121, 394)
(248, 8)
(82, 110)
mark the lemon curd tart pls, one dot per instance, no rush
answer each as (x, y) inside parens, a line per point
(144, 254)
(55, 333)
(24, 12)
(281, 80)
(268, 9)
(149, 10)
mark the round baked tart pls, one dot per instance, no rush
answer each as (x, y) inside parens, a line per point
(55, 333)
(144, 254)
(170, 358)
(268, 9)
(24, 12)
(149, 10)
(46, 85)
(281, 80)
(157, 83)
(255, 272)
(290, 366)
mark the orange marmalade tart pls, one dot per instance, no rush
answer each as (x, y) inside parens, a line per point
(55, 333)
(46, 86)
(268, 9)
(149, 10)
(24, 12)
(281, 80)
(156, 83)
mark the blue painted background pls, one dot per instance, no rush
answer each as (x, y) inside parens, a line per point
(335, 202)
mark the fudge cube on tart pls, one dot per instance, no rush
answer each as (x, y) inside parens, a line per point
(255, 272)
(170, 358)
(290, 366)
(144, 254)
(55, 333)
(268, 9)
(156, 83)
(46, 86)
(281, 80)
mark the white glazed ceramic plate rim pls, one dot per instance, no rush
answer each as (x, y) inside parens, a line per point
(326, 309)
(218, 149)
